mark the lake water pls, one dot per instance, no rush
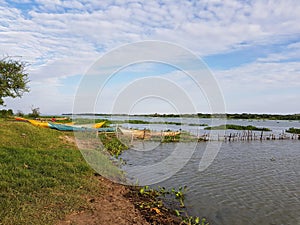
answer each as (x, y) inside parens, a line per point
(277, 126)
(255, 182)
(247, 183)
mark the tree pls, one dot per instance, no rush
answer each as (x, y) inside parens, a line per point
(6, 113)
(35, 112)
(13, 79)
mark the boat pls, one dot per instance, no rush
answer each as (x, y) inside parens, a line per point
(39, 123)
(53, 118)
(63, 127)
(21, 119)
(106, 129)
(98, 125)
(133, 132)
(68, 126)
(144, 134)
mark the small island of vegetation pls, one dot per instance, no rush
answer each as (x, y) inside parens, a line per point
(237, 127)
(293, 130)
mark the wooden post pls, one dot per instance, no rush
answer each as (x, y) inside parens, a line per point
(117, 133)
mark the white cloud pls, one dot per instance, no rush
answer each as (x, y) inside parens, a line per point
(61, 38)
(262, 87)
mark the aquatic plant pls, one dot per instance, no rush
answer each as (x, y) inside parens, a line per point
(179, 195)
(112, 144)
(200, 125)
(160, 195)
(236, 127)
(293, 130)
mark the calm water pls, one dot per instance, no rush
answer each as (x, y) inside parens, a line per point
(248, 182)
(277, 126)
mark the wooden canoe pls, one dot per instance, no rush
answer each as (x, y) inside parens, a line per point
(144, 134)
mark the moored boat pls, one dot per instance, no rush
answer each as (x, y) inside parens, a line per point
(39, 123)
(98, 125)
(144, 134)
(63, 127)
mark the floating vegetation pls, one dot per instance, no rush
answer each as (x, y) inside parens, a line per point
(80, 121)
(112, 144)
(293, 130)
(144, 122)
(157, 203)
(237, 127)
(200, 125)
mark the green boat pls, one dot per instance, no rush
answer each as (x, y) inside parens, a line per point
(63, 127)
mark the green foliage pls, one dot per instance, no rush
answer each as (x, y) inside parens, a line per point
(179, 195)
(13, 79)
(293, 130)
(191, 220)
(112, 144)
(196, 125)
(144, 122)
(263, 116)
(157, 197)
(6, 113)
(245, 116)
(237, 127)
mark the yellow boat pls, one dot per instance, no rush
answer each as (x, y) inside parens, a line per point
(98, 125)
(39, 123)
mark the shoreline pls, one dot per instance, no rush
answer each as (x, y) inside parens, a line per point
(43, 173)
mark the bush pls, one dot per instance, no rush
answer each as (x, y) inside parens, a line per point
(6, 113)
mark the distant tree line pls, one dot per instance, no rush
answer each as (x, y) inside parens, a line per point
(9, 113)
(207, 115)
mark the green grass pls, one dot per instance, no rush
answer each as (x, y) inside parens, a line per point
(237, 127)
(42, 178)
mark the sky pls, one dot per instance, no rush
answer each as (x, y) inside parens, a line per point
(251, 48)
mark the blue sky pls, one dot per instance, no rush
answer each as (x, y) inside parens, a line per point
(251, 47)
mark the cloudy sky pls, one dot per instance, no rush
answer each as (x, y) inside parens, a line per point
(252, 48)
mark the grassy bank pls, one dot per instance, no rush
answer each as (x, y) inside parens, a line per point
(45, 180)
(43, 177)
